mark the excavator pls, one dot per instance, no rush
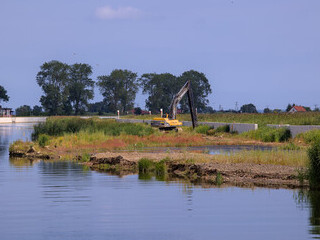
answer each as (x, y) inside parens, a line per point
(170, 122)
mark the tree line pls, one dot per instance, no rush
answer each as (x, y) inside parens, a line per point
(67, 90)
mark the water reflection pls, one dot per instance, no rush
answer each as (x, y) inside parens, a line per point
(64, 181)
(22, 162)
(311, 200)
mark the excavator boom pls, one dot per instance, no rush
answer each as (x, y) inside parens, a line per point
(171, 122)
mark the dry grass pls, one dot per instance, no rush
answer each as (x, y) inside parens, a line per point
(297, 158)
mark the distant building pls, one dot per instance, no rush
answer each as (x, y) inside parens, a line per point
(297, 109)
(6, 112)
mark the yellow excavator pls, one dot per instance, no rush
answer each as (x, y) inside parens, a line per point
(170, 122)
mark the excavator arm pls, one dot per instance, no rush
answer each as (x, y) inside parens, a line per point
(177, 98)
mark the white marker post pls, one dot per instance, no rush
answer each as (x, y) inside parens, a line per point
(161, 111)
(149, 112)
(118, 114)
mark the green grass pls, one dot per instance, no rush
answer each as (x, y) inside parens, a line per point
(43, 140)
(308, 118)
(58, 126)
(314, 165)
(267, 134)
(310, 136)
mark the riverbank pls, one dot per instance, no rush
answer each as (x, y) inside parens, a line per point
(93, 141)
(276, 169)
(210, 171)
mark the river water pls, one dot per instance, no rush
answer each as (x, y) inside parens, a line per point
(62, 200)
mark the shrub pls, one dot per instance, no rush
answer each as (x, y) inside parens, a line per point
(310, 136)
(43, 140)
(202, 129)
(221, 129)
(314, 165)
(267, 134)
(145, 165)
(57, 126)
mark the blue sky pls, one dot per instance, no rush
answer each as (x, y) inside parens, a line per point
(261, 52)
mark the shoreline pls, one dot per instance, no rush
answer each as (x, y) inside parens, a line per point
(187, 167)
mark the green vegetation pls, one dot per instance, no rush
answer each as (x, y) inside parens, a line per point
(290, 146)
(202, 129)
(67, 89)
(219, 179)
(311, 136)
(314, 165)
(221, 129)
(119, 90)
(3, 94)
(267, 134)
(162, 87)
(58, 126)
(306, 118)
(43, 140)
(147, 167)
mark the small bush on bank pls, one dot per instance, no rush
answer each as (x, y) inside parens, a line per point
(43, 140)
(145, 165)
(267, 134)
(221, 129)
(202, 129)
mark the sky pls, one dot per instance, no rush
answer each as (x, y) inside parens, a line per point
(265, 52)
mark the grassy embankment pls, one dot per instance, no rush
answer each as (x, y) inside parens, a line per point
(70, 137)
(308, 118)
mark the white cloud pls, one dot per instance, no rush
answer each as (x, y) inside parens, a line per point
(108, 12)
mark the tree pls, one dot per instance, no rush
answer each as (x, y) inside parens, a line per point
(201, 89)
(267, 110)
(53, 79)
(3, 94)
(137, 111)
(119, 89)
(37, 110)
(98, 107)
(248, 108)
(308, 109)
(161, 89)
(80, 87)
(24, 110)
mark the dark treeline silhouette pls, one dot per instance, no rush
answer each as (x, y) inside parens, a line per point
(67, 90)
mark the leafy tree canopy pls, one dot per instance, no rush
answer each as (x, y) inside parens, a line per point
(161, 89)
(119, 89)
(201, 89)
(3, 94)
(53, 79)
(80, 87)
(24, 111)
(248, 108)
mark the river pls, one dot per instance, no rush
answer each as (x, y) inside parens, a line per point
(63, 200)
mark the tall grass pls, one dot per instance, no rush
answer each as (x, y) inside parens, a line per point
(314, 165)
(307, 118)
(310, 136)
(57, 126)
(267, 134)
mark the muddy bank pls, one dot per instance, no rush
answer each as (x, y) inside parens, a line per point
(239, 174)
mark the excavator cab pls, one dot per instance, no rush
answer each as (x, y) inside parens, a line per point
(170, 122)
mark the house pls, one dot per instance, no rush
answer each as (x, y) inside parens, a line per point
(6, 112)
(295, 109)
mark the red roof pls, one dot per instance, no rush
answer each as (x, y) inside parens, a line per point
(299, 109)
